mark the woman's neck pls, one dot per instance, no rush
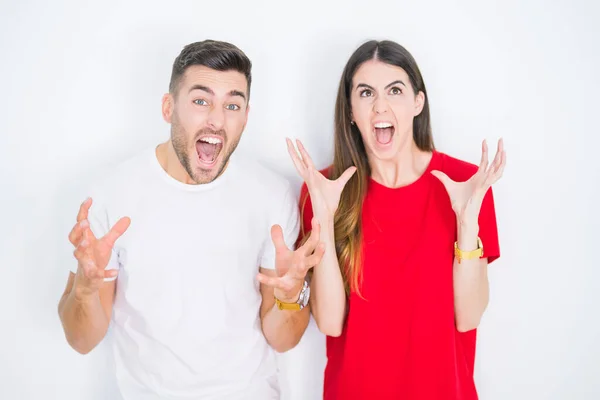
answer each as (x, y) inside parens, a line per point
(408, 166)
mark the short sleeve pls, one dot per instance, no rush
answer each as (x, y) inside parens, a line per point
(488, 229)
(286, 215)
(100, 225)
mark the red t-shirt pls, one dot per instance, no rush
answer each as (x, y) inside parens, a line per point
(400, 341)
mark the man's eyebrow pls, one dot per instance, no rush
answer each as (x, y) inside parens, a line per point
(210, 91)
(238, 93)
(203, 88)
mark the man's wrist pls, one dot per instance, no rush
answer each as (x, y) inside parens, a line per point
(297, 302)
(82, 293)
(285, 299)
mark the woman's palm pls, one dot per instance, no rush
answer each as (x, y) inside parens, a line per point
(324, 193)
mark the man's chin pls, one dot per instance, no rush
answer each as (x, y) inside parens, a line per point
(206, 173)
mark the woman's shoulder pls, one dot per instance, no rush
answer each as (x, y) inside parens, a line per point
(457, 169)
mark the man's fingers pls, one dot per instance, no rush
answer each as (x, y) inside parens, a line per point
(272, 281)
(86, 263)
(76, 234)
(277, 238)
(313, 240)
(83, 209)
(79, 254)
(116, 231)
(82, 247)
(106, 273)
(316, 257)
(110, 273)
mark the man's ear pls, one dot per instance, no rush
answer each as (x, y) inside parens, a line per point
(168, 103)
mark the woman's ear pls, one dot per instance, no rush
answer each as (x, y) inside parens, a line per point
(419, 103)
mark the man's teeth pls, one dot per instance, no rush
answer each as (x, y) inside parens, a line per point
(211, 140)
(383, 125)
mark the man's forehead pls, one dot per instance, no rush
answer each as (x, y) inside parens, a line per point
(218, 81)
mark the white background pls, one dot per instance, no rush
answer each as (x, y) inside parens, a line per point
(81, 86)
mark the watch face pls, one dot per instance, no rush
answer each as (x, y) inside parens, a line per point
(305, 296)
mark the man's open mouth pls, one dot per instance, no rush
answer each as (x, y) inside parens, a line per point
(208, 148)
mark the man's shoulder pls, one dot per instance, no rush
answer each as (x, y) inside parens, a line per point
(262, 176)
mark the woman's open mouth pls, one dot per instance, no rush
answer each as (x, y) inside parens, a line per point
(384, 131)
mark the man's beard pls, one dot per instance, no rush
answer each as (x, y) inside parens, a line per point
(182, 148)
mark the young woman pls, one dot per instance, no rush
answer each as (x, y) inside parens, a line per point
(409, 233)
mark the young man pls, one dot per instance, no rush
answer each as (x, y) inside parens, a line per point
(192, 220)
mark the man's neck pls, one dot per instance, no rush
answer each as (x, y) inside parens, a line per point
(168, 160)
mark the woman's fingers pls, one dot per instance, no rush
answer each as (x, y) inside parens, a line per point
(305, 156)
(298, 163)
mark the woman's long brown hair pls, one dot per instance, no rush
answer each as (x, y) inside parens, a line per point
(350, 151)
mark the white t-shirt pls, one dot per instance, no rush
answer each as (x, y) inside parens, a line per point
(186, 321)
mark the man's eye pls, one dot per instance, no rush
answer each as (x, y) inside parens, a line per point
(200, 102)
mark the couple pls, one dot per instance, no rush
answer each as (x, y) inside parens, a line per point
(200, 258)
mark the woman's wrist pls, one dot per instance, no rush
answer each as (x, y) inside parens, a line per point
(467, 233)
(326, 221)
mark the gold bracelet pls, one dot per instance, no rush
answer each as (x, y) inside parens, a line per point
(468, 255)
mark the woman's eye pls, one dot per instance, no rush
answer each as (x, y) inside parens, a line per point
(396, 90)
(366, 93)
